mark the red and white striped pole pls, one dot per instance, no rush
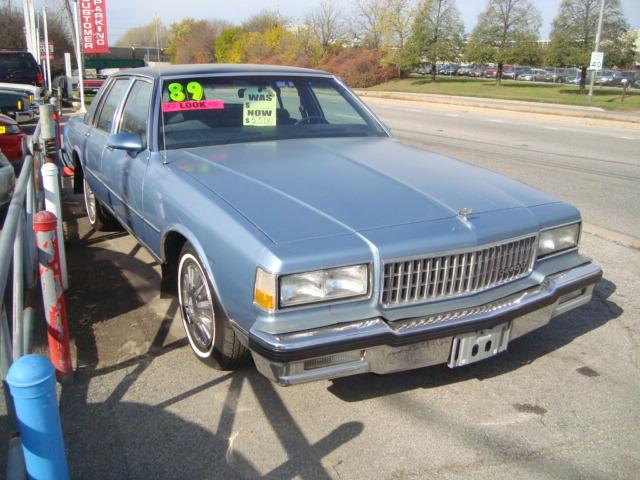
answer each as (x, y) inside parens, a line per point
(45, 226)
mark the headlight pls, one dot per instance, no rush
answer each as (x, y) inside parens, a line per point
(558, 239)
(324, 285)
(9, 129)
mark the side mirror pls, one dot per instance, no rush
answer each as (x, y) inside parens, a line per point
(130, 142)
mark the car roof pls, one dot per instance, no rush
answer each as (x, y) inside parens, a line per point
(219, 69)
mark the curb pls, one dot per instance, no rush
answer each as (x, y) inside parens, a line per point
(498, 104)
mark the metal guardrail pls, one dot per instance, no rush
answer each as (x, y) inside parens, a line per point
(18, 255)
(29, 245)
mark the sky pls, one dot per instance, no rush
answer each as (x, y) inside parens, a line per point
(123, 14)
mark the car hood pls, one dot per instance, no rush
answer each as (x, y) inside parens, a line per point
(310, 188)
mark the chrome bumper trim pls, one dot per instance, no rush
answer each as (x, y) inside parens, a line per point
(387, 347)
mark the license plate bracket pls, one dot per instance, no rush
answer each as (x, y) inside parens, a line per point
(472, 347)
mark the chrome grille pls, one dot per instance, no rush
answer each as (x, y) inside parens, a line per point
(431, 278)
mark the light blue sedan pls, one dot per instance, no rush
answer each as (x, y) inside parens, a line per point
(293, 228)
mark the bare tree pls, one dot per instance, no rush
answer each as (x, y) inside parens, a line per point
(369, 22)
(11, 27)
(326, 22)
(397, 22)
(145, 35)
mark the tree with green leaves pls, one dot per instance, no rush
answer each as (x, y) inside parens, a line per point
(507, 32)
(228, 45)
(438, 33)
(573, 35)
(397, 24)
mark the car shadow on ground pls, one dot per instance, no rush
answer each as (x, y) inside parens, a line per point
(114, 438)
(559, 332)
(107, 436)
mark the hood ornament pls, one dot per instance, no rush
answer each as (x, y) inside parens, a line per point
(465, 213)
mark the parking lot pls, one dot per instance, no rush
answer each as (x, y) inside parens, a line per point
(562, 402)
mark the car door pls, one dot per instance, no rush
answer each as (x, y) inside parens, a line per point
(125, 171)
(97, 139)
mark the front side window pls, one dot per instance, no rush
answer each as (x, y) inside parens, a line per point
(221, 110)
(110, 104)
(136, 110)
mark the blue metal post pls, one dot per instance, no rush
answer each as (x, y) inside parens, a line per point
(31, 380)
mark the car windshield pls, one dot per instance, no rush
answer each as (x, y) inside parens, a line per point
(221, 110)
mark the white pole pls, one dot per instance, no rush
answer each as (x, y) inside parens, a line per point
(158, 37)
(76, 26)
(27, 26)
(46, 47)
(34, 33)
(51, 185)
(67, 64)
(599, 32)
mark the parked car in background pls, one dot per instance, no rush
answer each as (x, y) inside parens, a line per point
(535, 75)
(16, 104)
(12, 141)
(604, 77)
(20, 67)
(617, 77)
(92, 80)
(490, 72)
(464, 71)
(7, 182)
(293, 227)
(448, 70)
(31, 91)
(476, 72)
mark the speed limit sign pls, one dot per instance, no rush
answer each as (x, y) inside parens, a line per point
(597, 59)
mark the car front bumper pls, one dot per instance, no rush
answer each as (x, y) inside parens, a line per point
(378, 346)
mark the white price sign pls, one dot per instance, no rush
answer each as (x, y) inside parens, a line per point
(597, 59)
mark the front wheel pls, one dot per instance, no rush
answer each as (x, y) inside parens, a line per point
(98, 218)
(208, 329)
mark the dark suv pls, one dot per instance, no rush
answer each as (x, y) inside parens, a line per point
(19, 67)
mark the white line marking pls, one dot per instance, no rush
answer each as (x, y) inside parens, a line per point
(452, 115)
(415, 110)
(625, 138)
(495, 120)
(551, 128)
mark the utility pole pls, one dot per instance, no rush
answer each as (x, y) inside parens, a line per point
(158, 37)
(28, 27)
(76, 29)
(599, 32)
(33, 31)
(46, 48)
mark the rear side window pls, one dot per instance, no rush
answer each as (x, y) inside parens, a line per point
(110, 104)
(17, 61)
(136, 110)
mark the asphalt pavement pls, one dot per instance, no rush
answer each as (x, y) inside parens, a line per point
(589, 163)
(562, 402)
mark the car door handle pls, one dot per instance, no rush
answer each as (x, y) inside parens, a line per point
(87, 134)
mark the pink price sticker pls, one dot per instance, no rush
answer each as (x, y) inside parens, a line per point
(192, 105)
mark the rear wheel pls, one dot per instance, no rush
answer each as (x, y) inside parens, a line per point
(99, 218)
(208, 330)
